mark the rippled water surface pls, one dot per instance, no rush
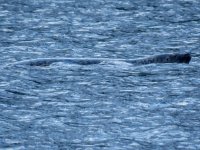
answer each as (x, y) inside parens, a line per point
(100, 106)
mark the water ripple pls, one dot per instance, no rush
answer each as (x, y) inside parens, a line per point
(105, 106)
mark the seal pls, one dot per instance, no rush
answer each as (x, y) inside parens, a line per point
(164, 58)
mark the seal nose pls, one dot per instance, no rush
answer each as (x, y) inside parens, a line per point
(186, 58)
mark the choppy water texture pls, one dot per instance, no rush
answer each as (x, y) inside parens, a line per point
(102, 106)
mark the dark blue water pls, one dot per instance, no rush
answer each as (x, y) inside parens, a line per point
(102, 106)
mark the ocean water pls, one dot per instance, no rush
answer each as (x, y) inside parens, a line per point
(103, 106)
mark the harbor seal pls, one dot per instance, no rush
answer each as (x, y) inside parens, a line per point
(164, 58)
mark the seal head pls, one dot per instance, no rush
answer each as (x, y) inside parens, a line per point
(172, 58)
(185, 58)
(180, 58)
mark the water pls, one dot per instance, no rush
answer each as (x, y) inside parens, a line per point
(102, 106)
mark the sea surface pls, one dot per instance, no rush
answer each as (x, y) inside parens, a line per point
(102, 106)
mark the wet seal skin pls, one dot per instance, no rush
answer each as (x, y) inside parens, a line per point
(163, 58)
